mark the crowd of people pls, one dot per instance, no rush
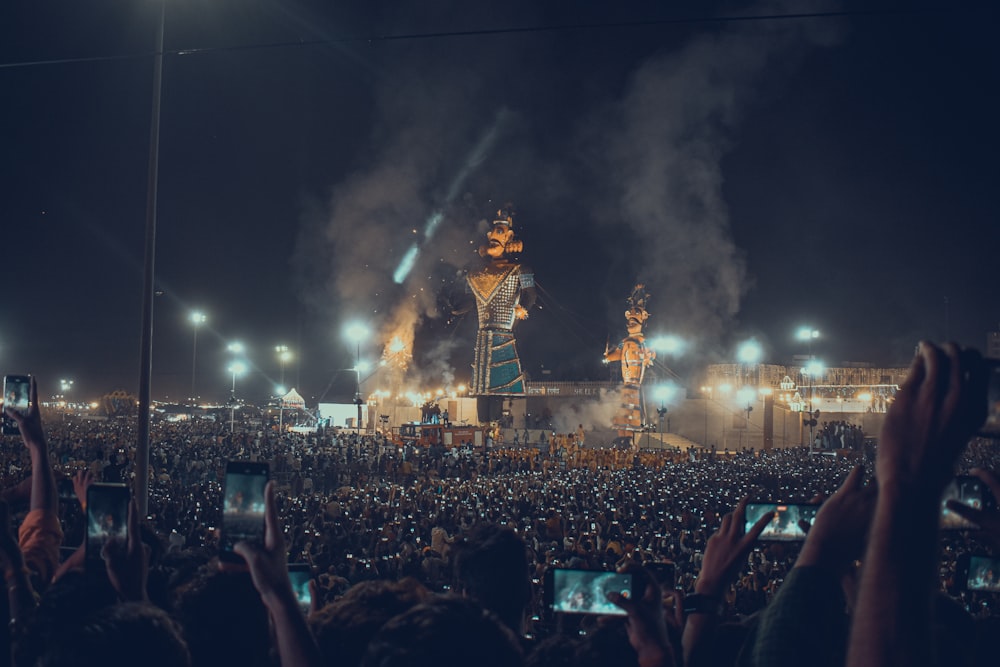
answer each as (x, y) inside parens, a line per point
(421, 556)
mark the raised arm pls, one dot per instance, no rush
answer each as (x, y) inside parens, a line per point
(40, 534)
(939, 406)
(268, 565)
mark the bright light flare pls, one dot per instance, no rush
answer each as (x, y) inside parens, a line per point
(664, 392)
(236, 347)
(749, 352)
(197, 317)
(806, 333)
(746, 395)
(355, 332)
(280, 390)
(668, 344)
(396, 345)
(814, 369)
(237, 368)
(363, 366)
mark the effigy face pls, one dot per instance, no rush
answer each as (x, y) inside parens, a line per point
(499, 236)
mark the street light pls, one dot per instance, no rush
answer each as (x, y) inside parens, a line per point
(746, 396)
(664, 393)
(813, 368)
(807, 334)
(197, 318)
(236, 368)
(356, 332)
(748, 353)
(284, 355)
(65, 386)
(668, 344)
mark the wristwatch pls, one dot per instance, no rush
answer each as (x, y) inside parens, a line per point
(699, 603)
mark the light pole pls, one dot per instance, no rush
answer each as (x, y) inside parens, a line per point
(664, 393)
(280, 391)
(706, 390)
(748, 354)
(197, 318)
(236, 368)
(807, 334)
(284, 356)
(746, 395)
(813, 368)
(355, 333)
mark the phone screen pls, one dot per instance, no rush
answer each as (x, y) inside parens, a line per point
(242, 506)
(984, 574)
(585, 591)
(967, 490)
(300, 574)
(107, 516)
(16, 395)
(785, 517)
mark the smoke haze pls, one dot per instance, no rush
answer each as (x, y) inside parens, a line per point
(643, 166)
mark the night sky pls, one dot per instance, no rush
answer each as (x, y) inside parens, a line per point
(838, 171)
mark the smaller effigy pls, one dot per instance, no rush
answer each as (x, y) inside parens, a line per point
(635, 357)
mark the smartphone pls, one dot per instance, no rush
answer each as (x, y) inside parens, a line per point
(785, 517)
(16, 396)
(301, 574)
(968, 490)
(107, 517)
(978, 573)
(991, 427)
(585, 591)
(242, 506)
(664, 573)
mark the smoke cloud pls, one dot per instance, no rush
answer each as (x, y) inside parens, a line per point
(662, 145)
(645, 163)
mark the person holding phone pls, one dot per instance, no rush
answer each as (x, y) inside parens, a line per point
(40, 534)
(936, 411)
(268, 564)
(806, 616)
(987, 519)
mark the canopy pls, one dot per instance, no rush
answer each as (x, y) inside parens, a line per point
(293, 400)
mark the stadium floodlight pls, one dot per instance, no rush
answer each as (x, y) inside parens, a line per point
(749, 352)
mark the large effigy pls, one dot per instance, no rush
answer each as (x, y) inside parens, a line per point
(635, 357)
(504, 290)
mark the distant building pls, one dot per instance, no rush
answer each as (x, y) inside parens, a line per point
(851, 387)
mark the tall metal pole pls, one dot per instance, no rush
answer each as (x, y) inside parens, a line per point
(141, 490)
(232, 406)
(357, 395)
(194, 360)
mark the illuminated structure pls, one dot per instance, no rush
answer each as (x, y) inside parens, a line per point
(635, 357)
(504, 290)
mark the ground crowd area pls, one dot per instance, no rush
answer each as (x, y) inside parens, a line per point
(356, 508)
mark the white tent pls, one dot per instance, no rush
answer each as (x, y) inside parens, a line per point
(293, 401)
